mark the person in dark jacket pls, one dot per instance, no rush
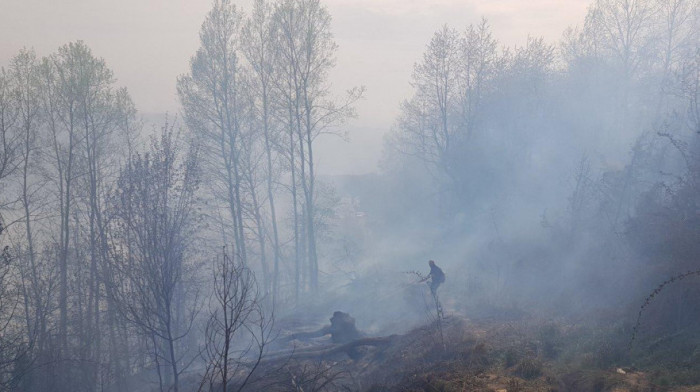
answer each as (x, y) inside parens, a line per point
(436, 276)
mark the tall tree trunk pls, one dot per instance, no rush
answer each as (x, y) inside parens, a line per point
(270, 193)
(295, 204)
(310, 210)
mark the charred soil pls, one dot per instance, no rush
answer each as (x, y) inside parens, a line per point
(497, 355)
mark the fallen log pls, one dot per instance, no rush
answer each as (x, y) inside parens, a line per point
(308, 335)
(350, 348)
(342, 329)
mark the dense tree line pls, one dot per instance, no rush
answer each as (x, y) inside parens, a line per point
(63, 124)
(619, 74)
(107, 232)
(595, 137)
(257, 97)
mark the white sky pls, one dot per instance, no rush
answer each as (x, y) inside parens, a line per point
(148, 43)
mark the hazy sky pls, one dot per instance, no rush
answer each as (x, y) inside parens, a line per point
(148, 43)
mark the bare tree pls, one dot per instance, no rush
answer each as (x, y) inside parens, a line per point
(155, 220)
(252, 178)
(260, 52)
(427, 120)
(691, 90)
(25, 72)
(36, 272)
(450, 82)
(11, 341)
(10, 294)
(623, 29)
(9, 116)
(679, 32)
(306, 53)
(212, 96)
(60, 97)
(626, 36)
(238, 330)
(479, 63)
(82, 112)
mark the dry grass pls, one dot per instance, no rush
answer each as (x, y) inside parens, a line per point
(530, 355)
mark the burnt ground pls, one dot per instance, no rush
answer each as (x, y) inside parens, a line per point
(500, 355)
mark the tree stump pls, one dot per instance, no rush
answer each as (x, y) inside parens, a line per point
(342, 328)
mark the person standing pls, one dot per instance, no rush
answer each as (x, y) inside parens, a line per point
(436, 276)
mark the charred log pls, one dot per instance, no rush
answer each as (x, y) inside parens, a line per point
(342, 330)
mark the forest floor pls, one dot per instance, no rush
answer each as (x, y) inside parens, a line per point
(459, 354)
